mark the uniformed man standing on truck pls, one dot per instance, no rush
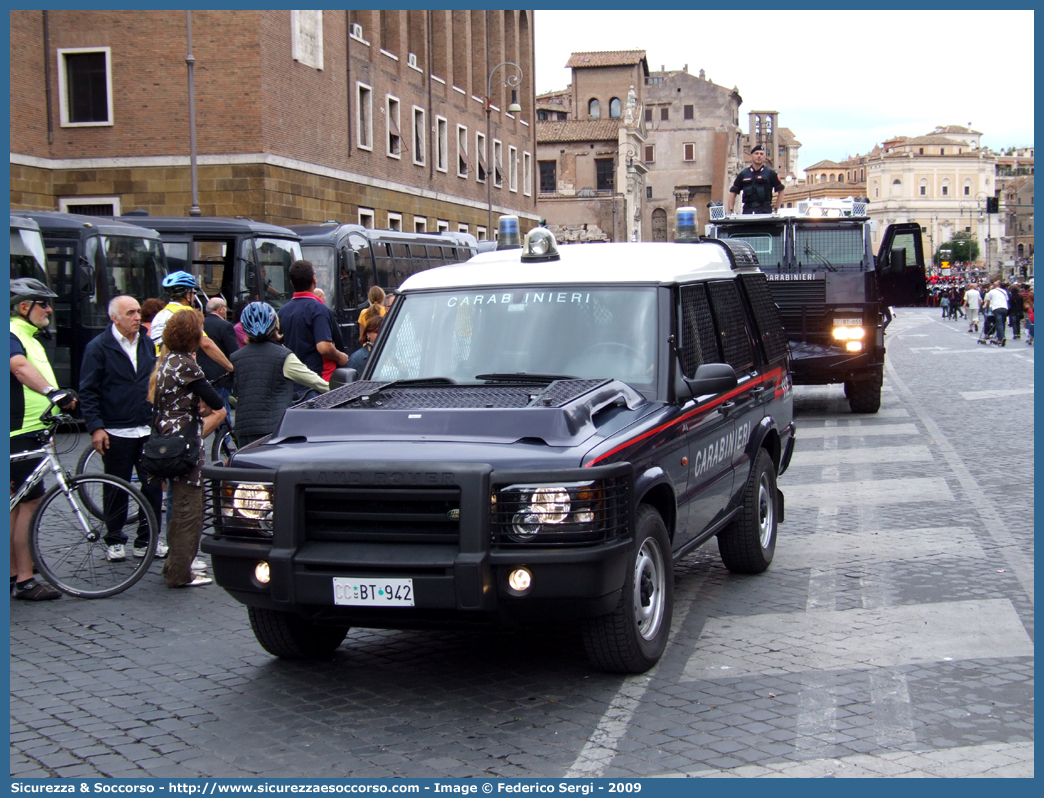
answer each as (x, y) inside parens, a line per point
(756, 183)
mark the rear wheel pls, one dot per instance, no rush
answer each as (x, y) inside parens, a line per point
(90, 463)
(749, 541)
(289, 636)
(632, 638)
(223, 447)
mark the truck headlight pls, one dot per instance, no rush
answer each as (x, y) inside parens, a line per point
(246, 508)
(849, 333)
(564, 513)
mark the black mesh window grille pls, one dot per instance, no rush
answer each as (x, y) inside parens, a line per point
(828, 248)
(699, 339)
(732, 327)
(766, 316)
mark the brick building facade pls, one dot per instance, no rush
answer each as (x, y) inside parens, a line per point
(371, 116)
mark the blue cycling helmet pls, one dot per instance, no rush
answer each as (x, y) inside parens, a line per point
(178, 283)
(258, 320)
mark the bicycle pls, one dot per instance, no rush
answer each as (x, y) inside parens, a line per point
(67, 541)
(90, 462)
(224, 445)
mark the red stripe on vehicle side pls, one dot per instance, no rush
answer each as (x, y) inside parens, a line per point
(694, 412)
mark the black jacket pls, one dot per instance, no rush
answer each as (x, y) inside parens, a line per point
(223, 334)
(263, 392)
(112, 395)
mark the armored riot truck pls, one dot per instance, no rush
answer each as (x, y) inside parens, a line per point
(833, 294)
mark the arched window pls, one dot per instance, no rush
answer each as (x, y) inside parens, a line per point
(614, 108)
(922, 188)
(945, 188)
(897, 187)
(593, 109)
(840, 178)
(831, 178)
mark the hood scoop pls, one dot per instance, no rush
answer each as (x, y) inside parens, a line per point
(561, 413)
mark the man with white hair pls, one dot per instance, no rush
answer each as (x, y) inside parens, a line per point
(221, 332)
(114, 386)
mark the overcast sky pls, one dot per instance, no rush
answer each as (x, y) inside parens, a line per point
(842, 81)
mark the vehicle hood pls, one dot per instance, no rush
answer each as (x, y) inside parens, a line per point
(519, 425)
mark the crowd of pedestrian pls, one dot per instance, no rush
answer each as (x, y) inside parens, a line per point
(165, 371)
(995, 305)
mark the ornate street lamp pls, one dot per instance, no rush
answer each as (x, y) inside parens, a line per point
(512, 81)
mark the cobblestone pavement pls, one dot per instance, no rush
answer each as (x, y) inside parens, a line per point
(892, 635)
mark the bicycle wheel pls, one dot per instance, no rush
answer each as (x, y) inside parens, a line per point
(68, 542)
(223, 447)
(90, 463)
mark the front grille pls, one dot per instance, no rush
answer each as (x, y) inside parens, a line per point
(607, 501)
(382, 515)
(794, 293)
(371, 394)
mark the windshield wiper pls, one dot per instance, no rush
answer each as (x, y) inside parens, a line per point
(810, 251)
(523, 378)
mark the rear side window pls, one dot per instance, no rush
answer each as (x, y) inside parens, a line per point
(766, 316)
(699, 338)
(731, 323)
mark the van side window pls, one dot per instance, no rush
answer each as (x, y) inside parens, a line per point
(731, 324)
(766, 316)
(699, 339)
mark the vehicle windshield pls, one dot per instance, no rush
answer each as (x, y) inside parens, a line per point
(274, 256)
(578, 331)
(324, 260)
(119, 265)
(27, 255)
(766, 240)
(822, 248)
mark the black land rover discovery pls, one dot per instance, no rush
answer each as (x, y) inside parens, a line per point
(538, 434)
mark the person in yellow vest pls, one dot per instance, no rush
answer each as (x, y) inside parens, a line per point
(33, 389)
(181, 289)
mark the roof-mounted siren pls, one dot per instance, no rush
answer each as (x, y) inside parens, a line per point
(507, 233)
(685, 229)
(717, 210)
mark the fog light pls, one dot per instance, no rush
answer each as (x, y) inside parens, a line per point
(520, 580)
(854, 346)
(262, 573)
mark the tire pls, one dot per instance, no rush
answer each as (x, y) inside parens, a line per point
(223, 447)
(864, 397)
(73, 559)
(632, 638)
(748, 543)
(90, 463)
(289, 636)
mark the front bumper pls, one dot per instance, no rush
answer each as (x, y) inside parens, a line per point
(822, 364)
(457, 582)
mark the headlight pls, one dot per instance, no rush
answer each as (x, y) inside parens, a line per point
(246, 508)
(566, 513)
(849, 333)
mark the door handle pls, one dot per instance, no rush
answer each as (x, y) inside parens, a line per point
(726, 407)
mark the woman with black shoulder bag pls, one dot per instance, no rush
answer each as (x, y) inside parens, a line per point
(186, 410)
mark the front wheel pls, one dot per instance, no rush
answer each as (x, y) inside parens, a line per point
(289, 636)
(747, 544)
(91, 463)
(864, 397)
(632, 638)
(67, 540)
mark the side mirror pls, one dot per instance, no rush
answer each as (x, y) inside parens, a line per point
(897, 260)
(710, 378)
(343, 376)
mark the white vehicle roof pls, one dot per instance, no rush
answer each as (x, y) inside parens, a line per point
(631, 264)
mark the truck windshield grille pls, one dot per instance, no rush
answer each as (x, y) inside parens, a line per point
(382, 515)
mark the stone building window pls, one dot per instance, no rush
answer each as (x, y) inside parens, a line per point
(306, 34)
(463, 162)
(394, 136)
(90, 206)
(548, 177)
(512, 168)
(394, 221)
(480, 156)
(85, 86)
(366, 218)
(688, 152)
(593, 109)
(604, 174)
(419, 132)
(687, 112)
(650, 153)
(614, 108)
(527, 174)
(498, 163)
(648, 116)
(441, 143)
(665, 114)
(364, 116)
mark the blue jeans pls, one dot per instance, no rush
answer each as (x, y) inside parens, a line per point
(1000, 315)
